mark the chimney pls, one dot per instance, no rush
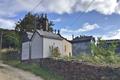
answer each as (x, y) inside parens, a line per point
(72, 36)
(58, 32)
(55, 31)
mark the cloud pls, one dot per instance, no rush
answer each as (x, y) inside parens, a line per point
(67, 33)
(70, 6)
(106, 7)
(7, 24)
(112, 35)
(56, 20)
(12, 7)
(86, 27)
(67, 36)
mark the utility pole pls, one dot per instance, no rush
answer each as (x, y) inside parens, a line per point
(1, 36)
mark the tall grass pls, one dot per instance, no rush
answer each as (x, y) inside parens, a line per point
(102, 53)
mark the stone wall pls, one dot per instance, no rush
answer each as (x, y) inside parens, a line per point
(72, 70)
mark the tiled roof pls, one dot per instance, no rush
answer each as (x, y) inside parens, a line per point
(49, 35)
(83, 39)
(26, 36)
(112, 40)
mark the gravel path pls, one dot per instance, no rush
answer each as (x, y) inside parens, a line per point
(10, 73)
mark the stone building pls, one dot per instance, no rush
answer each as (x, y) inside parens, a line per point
(26, 44)
(81, 45)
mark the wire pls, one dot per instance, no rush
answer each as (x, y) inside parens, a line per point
(76, 20)
(36, 6)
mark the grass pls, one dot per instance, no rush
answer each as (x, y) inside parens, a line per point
(35, 69)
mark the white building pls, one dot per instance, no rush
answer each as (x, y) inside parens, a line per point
(40, 43)
(26, 43)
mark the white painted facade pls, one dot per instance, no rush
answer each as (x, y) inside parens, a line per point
(67, 48)
(47, 43)
(25, 50)
(36, 47)
(40, 46)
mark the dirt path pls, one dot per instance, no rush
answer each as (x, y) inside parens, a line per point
(10, 73)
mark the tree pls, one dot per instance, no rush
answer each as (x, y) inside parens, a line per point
(104, 52)
(31, 22)
(10, 39)
(27, 24)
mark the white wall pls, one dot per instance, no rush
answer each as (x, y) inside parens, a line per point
(48, 43)
(67, 48)
(25, 51)
(36, 47)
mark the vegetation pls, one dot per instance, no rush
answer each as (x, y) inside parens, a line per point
(68, 58)
(102, 53)
(8, 56)
(10, 38)
(55, 51)
(31, 22)
(105, 53)
(35, 69)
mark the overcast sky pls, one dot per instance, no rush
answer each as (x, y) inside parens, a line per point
(101, 19)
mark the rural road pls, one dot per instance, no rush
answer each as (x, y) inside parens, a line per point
(10, 73)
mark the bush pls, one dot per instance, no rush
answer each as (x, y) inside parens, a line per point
(55, 51)
(101, 54)
(68, 58)
(105, 53)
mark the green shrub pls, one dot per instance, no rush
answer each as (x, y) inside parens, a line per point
(105, 53)
(55, 51)
(101, 54)
(68, 58)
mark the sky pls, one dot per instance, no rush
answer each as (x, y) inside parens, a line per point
(99, 18)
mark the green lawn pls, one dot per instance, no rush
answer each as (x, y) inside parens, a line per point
(35, 69)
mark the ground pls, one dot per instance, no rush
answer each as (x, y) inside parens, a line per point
(10, 73)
